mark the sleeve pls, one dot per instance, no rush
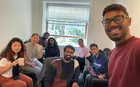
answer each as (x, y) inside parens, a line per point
(104, 68)
(46, 52)
(3, 62)
(49, 76)
(76, 72)
(86, 52)
(136, 58)
(27, 53)
(58, 53)
(38, 50)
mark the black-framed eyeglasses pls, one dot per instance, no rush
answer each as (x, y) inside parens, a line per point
(117, 19)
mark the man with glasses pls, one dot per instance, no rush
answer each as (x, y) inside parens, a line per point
(124, 61)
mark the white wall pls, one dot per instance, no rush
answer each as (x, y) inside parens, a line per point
(96, 33)
(134, 12)
(15, 20)
(21, 18)
(37, 11)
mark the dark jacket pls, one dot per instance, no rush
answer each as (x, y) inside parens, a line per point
(52, 51)
(61, 74)
(100, 63)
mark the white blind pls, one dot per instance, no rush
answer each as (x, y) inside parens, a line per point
(74, 12)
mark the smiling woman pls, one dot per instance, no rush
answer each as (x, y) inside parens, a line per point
(9, 65)
(33, 53)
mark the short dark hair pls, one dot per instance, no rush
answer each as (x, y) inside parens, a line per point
(46, 33)
(81, 39)
(69, 46)
(93, 44)
(115, 7)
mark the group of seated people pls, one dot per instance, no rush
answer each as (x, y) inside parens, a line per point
(95, 65)
(62, 72)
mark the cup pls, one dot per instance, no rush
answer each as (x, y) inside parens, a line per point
(21, 61)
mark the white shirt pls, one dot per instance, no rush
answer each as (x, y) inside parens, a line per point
(83, 52)
(3, 63)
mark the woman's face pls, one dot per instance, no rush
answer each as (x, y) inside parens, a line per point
(51, 41)
(16, 47)
(34, 39)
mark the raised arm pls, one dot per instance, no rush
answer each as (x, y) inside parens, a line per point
(40, 51)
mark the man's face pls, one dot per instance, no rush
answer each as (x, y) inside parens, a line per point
(68, 54)
(94, 50)
(80, 42)
(46, 36)
(117, 31)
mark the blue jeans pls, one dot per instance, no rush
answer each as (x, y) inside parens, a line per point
(36, 69)
(95, 82)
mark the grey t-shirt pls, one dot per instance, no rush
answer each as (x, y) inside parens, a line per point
(32, 51)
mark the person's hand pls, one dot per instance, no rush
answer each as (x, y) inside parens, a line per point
(40, 47)
(75, 84)
(14, 63)
(32, 64)
(101, 76)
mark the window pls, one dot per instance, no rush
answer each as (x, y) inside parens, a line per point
(67, 31)
(67, 23)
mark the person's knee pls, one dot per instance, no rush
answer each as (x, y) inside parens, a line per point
(88, 77)
(29, 81)
(20, 84)
(88, 80)
(37, 73)
(85, 73)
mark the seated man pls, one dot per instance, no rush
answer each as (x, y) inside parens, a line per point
(98, 69)
(82, 55)
(63, 72)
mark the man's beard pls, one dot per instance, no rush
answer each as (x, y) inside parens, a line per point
(117, 39)
(67, 57)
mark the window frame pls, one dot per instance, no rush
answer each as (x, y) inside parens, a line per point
(85, 34)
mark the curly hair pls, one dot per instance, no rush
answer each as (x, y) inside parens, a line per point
(8, 53)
